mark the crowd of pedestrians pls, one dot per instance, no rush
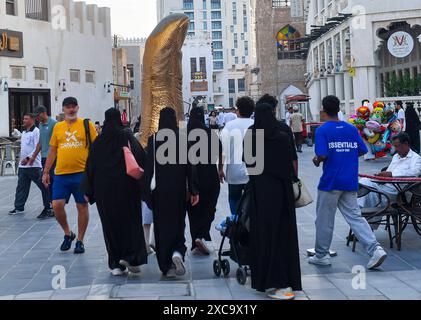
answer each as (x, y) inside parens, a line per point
(147, 214)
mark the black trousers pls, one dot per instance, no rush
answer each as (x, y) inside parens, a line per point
(298, 139)
(25, 177)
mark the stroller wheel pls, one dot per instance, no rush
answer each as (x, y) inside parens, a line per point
(217, 268)
(241, 276)
(226, 268)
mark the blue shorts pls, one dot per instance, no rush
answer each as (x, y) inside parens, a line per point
(66, 185)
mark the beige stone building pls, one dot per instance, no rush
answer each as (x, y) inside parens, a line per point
(280, 62)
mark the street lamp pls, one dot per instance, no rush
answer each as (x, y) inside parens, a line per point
(3, 81)
(107, 86)
(62, 85)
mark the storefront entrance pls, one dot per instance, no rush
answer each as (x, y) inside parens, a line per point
(23, 101)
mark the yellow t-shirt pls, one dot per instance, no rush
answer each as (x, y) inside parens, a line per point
(71, 144)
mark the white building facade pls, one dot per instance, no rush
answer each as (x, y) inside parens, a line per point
(229, 24)
(127, 74)
(197, 70)
(52, 49)
(364, 50)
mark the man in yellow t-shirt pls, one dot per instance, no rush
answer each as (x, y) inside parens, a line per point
(69, 146)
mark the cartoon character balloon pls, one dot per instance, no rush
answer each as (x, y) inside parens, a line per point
(377, 115)
(378, 127)
(363, 113)
(378, 104)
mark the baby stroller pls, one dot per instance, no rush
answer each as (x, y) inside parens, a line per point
(237, 232)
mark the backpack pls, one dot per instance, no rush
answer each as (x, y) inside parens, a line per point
(87, 134)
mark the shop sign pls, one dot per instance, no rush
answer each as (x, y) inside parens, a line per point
(400, 44)
(199, 86)
(11, 44)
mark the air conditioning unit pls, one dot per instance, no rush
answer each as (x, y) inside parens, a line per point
(40, 74)
(17, 73)
(90, 77)
(74, 76)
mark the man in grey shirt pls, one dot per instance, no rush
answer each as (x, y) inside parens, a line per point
(46, 127)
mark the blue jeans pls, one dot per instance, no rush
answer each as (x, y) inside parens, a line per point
(25, 177)
(235, 192)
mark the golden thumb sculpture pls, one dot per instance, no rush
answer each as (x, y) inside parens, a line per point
(162, 84)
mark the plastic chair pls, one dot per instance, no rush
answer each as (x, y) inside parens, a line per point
(9, 161)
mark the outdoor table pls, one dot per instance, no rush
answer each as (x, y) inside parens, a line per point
(401, 184)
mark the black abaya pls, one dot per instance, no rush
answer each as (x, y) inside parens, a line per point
(274, 251)
(413, 126)
(168, 202)
(202, 215)
(117, 196)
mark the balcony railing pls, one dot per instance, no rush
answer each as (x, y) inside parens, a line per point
(36, 9)
(188, 6)
(215, 5)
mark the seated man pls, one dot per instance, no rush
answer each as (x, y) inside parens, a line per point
(405, 163)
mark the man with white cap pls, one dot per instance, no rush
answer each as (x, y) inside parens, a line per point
(297, 128)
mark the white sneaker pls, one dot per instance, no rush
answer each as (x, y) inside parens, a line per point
(325, 261)
(177, 259)
(117, 272)
(150, 251)
(201, 245)
(132, 269)
(312, 253)
(282, 294)
(171, 274)
(377, 259)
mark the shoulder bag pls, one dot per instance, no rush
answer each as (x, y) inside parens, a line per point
(132, 167)
(301, 194)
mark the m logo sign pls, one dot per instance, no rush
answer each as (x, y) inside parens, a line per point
(11, 44)
(400, 44)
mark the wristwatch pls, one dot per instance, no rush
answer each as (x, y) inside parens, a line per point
(27, 158)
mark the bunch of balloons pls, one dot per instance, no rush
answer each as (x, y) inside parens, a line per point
(377, 127)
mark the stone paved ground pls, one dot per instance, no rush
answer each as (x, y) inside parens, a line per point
(29, 249)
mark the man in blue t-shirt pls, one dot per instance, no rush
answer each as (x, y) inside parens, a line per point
(338, 147)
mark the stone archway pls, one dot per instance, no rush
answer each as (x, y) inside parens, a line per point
(289, 91)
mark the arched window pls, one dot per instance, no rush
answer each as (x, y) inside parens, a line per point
(288, 46)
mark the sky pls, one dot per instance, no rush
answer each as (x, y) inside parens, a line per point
(130, 18)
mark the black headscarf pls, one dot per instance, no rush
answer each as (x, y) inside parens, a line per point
(412, 119)
(110, 142)
(168, 119)
(196, 119)
(112, 121)
(265, 119)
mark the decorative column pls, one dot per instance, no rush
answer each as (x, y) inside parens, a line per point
(323, 87)
(339, 85)
(331, 86)
(348, 93)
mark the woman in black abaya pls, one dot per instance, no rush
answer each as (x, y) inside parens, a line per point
(413, 126)
(117, 195)
(175, 182)
(274, 252)
(202, 215)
